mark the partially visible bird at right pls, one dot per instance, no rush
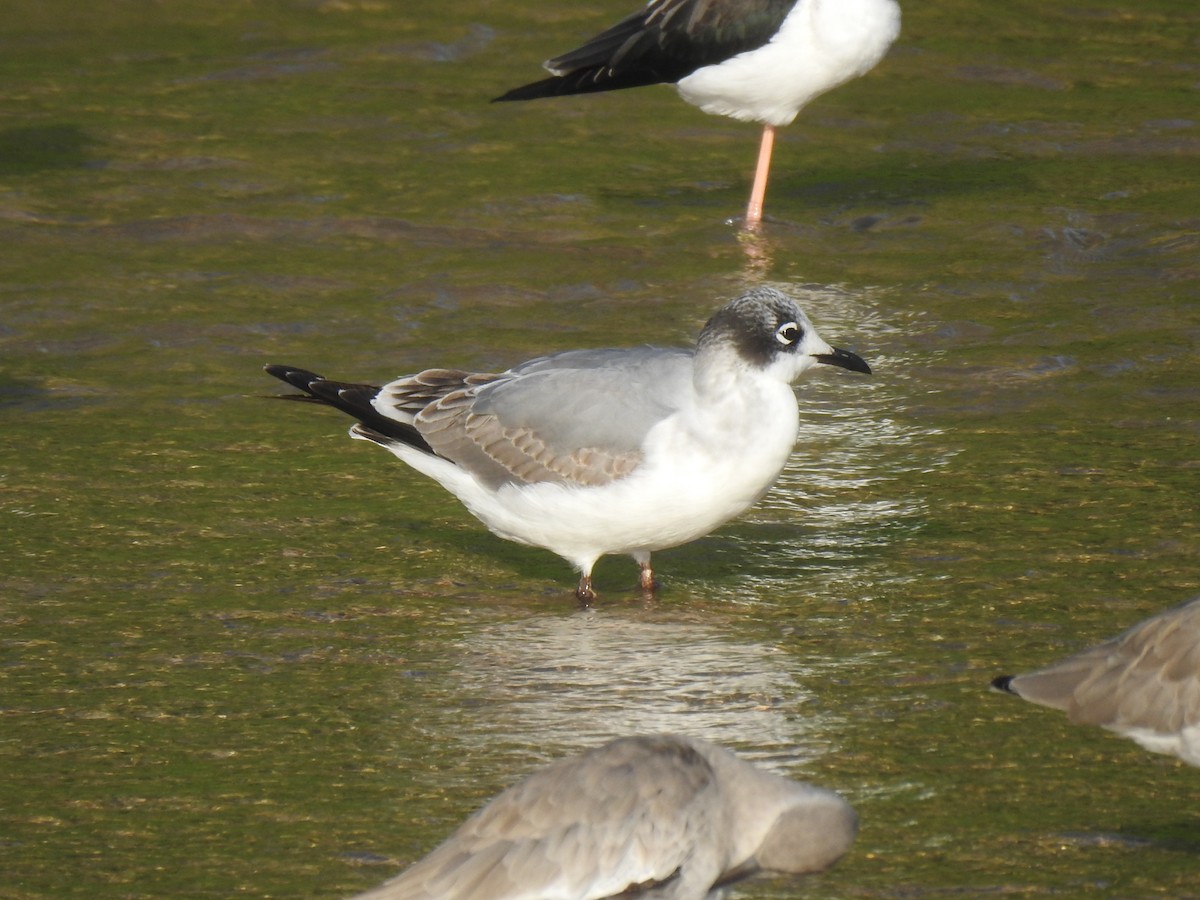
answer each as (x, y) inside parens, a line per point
(1143, 684)
(752, 60)
(655, 816)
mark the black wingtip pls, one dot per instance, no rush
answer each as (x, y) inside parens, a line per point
(1003, 683)
(588, 80)
(537, 90)
(280, 371)
(293, 375)
(352, 399)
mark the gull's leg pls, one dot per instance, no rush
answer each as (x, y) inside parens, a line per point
(759, 191)
(645, 574)
(583, 592)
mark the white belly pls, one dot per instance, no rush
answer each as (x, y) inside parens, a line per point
(696, 475)
(1185, 743)
(821, 44)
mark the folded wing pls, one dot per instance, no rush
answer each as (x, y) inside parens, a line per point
(665, 41)
(624, 818)
(577, 418)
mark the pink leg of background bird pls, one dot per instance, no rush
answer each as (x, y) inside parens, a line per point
(759, 191)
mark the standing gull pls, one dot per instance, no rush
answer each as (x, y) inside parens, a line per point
(753, 60)
(655, 816)
(1143, 684)
(591, 452)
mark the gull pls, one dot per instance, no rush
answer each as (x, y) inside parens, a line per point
(591, 452)
(1143, 684)
(753, 60)
(650, 816)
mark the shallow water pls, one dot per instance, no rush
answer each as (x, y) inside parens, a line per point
(244, 655)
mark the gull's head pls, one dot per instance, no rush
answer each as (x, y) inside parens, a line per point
(764, 330)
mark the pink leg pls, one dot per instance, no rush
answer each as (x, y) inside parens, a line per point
(759, 191)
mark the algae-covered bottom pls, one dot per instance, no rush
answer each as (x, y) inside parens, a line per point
(242, 654)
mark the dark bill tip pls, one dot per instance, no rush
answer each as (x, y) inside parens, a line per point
(1004, 683)
(845, 359)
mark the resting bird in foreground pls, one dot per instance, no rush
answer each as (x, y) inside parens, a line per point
(753, 60)
(655, 816)
(591, 452)
(1143, 684)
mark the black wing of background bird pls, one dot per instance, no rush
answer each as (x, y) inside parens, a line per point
(661, 43)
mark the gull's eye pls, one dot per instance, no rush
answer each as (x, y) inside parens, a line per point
(788, 333)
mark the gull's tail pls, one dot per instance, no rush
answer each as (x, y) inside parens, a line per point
(352, 399)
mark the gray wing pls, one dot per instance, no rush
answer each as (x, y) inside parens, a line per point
(572, 418)
(1147, 677)
(625, 816)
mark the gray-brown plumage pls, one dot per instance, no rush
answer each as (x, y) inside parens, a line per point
(1143, 684)
(489, 432)
(660, 816)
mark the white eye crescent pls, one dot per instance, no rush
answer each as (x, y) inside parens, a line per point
(788, 333)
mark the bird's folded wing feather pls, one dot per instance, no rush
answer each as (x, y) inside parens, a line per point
(576, 418)
(403, 398)
(673, 38)
(1148, 672)
(589, 829)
